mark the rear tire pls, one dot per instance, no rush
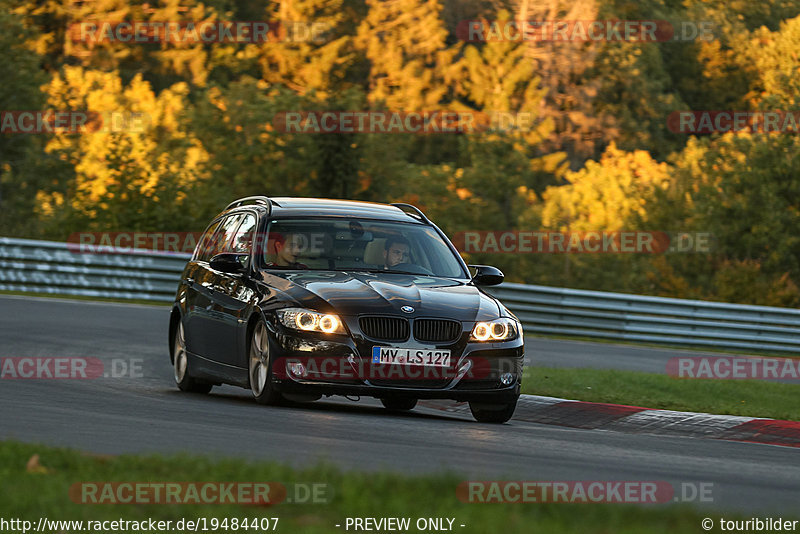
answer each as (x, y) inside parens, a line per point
(492, 413)
(180, 365)
(260, 367)
(399, 405)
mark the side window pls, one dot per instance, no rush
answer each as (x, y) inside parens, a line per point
(213, 241)
(244, 236)
(204, 248)
(224, 235)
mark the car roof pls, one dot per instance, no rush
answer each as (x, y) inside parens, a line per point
(311, 207)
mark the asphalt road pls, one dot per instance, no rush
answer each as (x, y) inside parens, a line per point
(147, 414)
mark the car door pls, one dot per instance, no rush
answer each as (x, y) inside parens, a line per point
(231, 296)
(204, 323)
(197, 297)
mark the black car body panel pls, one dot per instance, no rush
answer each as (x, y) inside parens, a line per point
(353, 293)
(218, 311)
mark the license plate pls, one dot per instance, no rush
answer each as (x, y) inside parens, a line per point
(425, 357)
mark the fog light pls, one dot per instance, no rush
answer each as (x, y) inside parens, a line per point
(297, 369)
(506, 379)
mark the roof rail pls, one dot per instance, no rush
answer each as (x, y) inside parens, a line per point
(414, 211)
(260, 199)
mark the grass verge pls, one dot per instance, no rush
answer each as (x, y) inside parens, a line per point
(755, 398)
(42, 490)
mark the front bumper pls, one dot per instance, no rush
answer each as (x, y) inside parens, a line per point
(341, 365)
(508, 394)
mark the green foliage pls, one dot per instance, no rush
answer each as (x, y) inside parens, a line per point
(19, 90)
(605, 195)
(744, 189)
(597, 153)
(776, 60)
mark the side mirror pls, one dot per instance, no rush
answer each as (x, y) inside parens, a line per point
(486, 275)
(228, 262)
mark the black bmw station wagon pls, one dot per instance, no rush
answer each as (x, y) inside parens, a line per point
(296, 298)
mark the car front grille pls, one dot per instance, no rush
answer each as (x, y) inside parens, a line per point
(385, 328)
(436, 330)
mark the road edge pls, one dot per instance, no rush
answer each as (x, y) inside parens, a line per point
(641, 420)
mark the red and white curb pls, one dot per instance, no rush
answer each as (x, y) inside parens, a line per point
(638, 420)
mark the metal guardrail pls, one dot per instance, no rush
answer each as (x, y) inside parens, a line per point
(625, 317)
(49, 267)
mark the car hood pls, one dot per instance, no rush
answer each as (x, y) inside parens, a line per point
(358, 293)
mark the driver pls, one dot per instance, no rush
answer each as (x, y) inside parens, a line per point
(396, 250)
(287, 248)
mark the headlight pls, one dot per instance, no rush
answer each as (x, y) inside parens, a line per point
(503, 329)
(311, 321)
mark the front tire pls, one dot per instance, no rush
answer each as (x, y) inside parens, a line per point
(260, 367)
(180, 365)
(399, 405)
(492, 413)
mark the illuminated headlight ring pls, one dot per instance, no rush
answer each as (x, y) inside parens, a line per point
(502, 329)
(311, 321)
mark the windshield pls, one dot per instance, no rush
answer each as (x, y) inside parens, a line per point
(357, 245)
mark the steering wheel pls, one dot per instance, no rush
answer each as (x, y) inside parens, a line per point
(411, 268)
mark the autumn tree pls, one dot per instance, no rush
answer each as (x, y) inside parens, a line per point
(135, 166)
(22, 166)
(744, 190)
(314, 52)
(605, 194)
(405, 44)
(774, 56)
(570, 92)
(72, 32)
